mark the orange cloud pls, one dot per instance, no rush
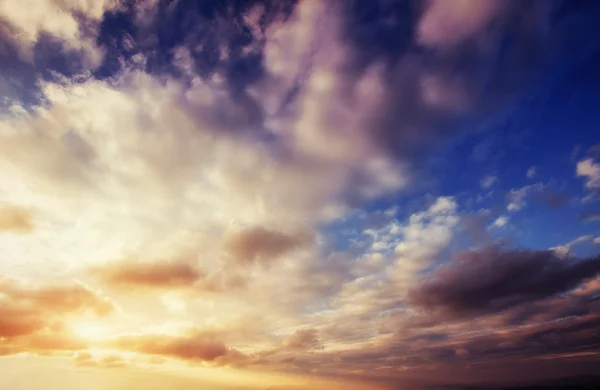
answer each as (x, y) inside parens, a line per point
(166, 274)
(201, 347)
(84, 359)
(32, 318)
(15, 219)
(113, 361)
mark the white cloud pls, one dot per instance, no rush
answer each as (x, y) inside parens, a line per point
(501, 221)
(531, 172)
(30, 18)
(488, 182)
(517, 197)
(383, 278)
(589, 169)
(155, 169)
(565, 250)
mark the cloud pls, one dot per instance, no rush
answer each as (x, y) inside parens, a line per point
(157, 274)
(303, 339)
(488, 182)
(424, 236)
(517, 197)
(565, 250)
(112, 361)
(491, 280)
(201, 347)
(501, 221)
(448, 23)
(65, 21)
(223, 137)
(261, 245)
(34, 318)
(365, 306)
(15, 219)
(54, 299)
(531, 172)
(590, 216)
(590, 170)
(84, 359)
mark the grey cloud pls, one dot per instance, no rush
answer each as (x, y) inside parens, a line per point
(261, 245)
(590, 216)
(303, 339)
(426, 94)
(491, 280)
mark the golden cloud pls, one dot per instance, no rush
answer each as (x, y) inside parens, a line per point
(33, 318)
(157, 274)
(15, 219)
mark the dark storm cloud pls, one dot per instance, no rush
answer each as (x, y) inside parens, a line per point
(492, 280)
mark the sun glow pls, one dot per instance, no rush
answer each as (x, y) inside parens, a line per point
(90, 330)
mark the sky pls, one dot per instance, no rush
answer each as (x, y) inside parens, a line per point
(293, 195)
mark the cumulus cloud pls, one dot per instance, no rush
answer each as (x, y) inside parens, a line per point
(492, 280)
(531, 172)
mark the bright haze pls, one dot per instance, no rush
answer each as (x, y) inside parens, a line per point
(311, 194)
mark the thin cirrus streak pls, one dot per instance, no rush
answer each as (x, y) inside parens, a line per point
(298, 194)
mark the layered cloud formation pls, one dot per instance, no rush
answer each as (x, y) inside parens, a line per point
(203, 182)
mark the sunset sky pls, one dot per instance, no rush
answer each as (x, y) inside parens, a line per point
(295, 195)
